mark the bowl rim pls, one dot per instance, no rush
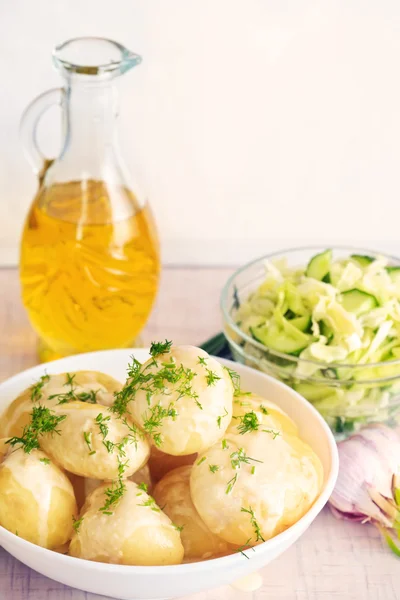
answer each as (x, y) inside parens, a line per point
(290, 357)
(199, 566)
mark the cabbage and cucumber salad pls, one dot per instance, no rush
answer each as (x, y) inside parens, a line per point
(339, 317)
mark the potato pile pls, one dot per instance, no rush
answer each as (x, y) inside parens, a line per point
(81, 454)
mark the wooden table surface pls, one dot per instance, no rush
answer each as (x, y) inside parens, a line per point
(333, 559)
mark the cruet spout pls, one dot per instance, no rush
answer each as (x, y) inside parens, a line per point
(94, 57)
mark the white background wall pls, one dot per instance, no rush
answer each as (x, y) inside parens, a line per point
(257, 123)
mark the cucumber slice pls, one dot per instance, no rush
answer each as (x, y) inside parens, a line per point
(358, 302)
(362, 259)
(313, 392)
(302, 323)
(319, 266)
(326, 330)
(394, 274)
(278, 339)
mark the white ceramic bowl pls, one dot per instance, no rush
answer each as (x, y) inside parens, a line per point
(126, 582)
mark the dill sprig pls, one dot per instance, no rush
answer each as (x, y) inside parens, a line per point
(211, 377)
(263, 410)
(87, 436)
(235, 378)
(37, 388)
(153, 419)
(43, 420)
(76, 523)
(202, 361)
(45, 461)
(249, 422)
(113, 495)
(158, 348)
(231, 483)
(245, 546)
(219, 419)
(151, 503)
(71, 395)
(213, 468)
(239, 457)
(123, 397)
(224, 444)
(254, 523)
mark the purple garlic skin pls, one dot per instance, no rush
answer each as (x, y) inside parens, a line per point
(369, 461)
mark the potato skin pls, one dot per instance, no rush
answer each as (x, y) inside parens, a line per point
(36, 499)
(70, 450)
(173, 494)
(198, 423)
(17, 415)
(160, 463)
(134, 534)
(279, 489)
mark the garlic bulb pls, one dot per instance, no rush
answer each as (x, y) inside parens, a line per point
(368, 486)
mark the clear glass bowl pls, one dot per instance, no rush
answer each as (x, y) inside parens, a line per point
(362, 394)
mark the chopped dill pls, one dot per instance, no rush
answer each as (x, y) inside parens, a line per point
(45, 461)
(211, 377)
(239, 457)
(213, 468)
(87, 436)
(201, 460)
(249, 422)
(244, 547)
(158, 348)
(219, 419)
(36, 389)
(76, 523)
(231, 483)
(43, 420)
(235, 378)
(224, 444)
(71, 394)
(113, 495)
(254, 522)
(150, 502)
(202, 361)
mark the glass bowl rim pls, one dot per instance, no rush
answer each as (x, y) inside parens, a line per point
(290, 357)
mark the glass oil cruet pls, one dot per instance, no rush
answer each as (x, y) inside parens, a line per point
(89, 263)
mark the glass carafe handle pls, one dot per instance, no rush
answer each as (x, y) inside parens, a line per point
(29, 125)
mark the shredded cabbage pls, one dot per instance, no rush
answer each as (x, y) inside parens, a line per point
(352, 317)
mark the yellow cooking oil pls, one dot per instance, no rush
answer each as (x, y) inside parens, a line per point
(89, 267)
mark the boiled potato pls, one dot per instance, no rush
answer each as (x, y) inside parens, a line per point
(37, 500)
(199, 400)
(251, 486)
(173, 494)
(160, 463)
(79, 446)
(85, 386)
(136, 533)
(267, 412)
